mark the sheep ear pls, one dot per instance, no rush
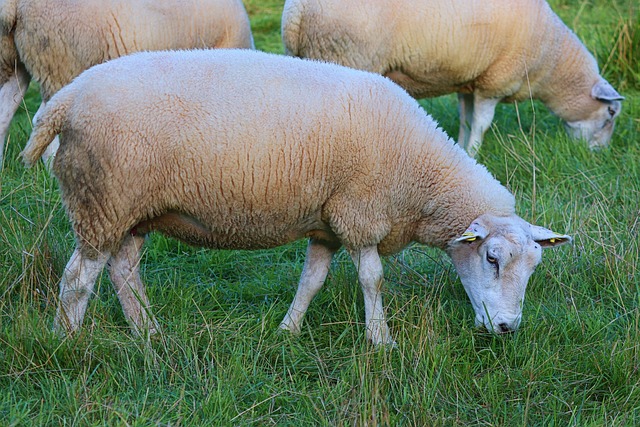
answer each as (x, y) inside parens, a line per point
(547, 238)
(603, 91)
(474, 232)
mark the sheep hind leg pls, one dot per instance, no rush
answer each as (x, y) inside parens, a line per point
(11, 94)
(370, 274)
(124, 270)
(76, 286)
(314, 273)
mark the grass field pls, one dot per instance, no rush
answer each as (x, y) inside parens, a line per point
(220, 361)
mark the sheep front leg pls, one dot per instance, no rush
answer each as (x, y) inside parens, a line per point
(465, 110)
(124, 270)
(370, 274)
(483, 112)
(314, 273)
(76, 287)
(11, 94)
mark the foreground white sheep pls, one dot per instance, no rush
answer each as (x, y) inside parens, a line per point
(250, 150)
(55, 40)
(486, 51)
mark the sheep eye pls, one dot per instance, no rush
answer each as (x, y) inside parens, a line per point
(612, 112)
(492, 260)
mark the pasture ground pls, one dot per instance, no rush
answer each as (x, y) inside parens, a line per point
(575, 361)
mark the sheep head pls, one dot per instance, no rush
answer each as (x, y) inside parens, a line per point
(596, 128)
(494, 258)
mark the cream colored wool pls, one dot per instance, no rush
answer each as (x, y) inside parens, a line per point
(52, 41)
(486, 51)
(242, 149)
(358, 156)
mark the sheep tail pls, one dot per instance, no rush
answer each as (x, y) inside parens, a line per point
(291, 27)
(49, 122)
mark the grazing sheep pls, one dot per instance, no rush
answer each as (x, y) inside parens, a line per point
(52, 41)
(486, 51)
(238, 154)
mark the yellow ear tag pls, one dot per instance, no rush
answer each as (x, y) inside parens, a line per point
(471, 236)
(552, 240)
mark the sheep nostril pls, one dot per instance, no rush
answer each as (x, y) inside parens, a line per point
(504, 328)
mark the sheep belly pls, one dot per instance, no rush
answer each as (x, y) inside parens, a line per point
(197, 232)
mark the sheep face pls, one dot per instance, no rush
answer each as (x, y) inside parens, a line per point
(597, 127)
(495, 258)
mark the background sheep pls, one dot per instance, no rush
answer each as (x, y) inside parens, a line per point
(52, 41)
(147, 147)
(486, 51)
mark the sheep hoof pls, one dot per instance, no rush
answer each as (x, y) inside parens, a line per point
(381, 338)
(386, 345)
(289, 327)
(147, 331)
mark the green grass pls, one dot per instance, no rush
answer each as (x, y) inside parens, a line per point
(220, 361)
